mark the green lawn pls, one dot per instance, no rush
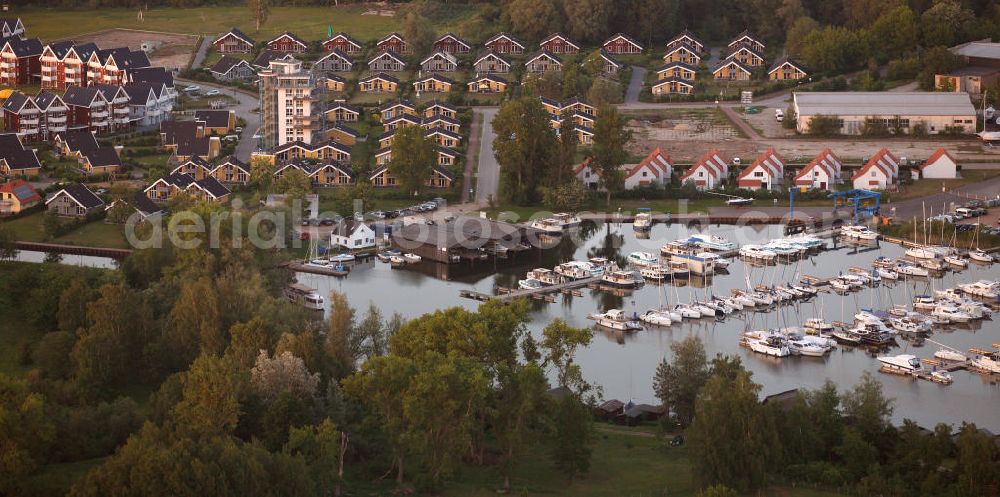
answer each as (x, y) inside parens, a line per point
(310, 23)
(95, 234)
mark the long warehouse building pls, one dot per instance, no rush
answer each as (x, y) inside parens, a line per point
(937, 111)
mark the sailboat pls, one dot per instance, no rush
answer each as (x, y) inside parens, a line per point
(978, 254)
(918, 251)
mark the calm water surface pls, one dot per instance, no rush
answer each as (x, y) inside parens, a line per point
(624, 365)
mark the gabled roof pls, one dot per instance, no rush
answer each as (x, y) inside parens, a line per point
(15, 155)
(447, 56)
(265, 57)
(194, 160)
(443, 132)
(730, 61)
(214, 118)
(675, 80)
(685, 35)
(672, 65)
(345, 106)
(102, 157)
(389, 54)
(212, 186)
(144, 204)
(936, 156)
(712, 163)
(291, 36)
(331, 77)
(337, 53)
(752, 51)
(397, 103)
(153, 75)
(237, 33)
(226, 63)
(543, 53)
(139, 93)
(232, 161)
(180, 180)
(346, 130)
(110, 92)
(746, 34)
(488, 77)
(437, 103)
(17, 101)
(383, 76)
(335, 165)
(560, 36)
(770, 161)
(682, 46)
(80, 194)
(82, 96)
(436, 77)
(24, 48)
(380, 170)
(608, 57)
(391, 36)
(785, 60)
(441, 117)
(22, 190)
(657, 160)
(883, 161)
(491, 53)
(79, 140)
(334, 145)
(301, 165)
(346, 37)
(47, 99)
(502, 35)
(454, 38)
(624, 37)
(584, 165)
(410, 118)
(825, 160)
(446, 151)
(444, 172)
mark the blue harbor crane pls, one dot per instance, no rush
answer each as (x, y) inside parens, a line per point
(860, 199)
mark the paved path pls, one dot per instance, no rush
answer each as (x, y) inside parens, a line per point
(907, 209)
(635, 84)
(472, 160)
(738, 121)
(488, 170)
(202, 52)
(245, 107)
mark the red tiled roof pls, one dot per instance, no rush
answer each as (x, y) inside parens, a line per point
(937, 155)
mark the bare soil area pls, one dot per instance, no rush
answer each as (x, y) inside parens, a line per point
(174, 49)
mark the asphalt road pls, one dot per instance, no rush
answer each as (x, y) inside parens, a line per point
(244, 109)
(202, 51)
(635, 84)
(488, 174)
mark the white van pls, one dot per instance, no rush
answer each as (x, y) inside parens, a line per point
(779, 115)
(964, 212)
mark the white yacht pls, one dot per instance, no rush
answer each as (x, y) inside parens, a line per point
(757, 253)
(616, 319)
(950, 355)
(980, 256)
(800, 346)
(744, 300)
(304, 296)
(956, 260)
(529, 284)
(767, 343)
(643, 220)
(903, 363)
(887, 274)
(910, 270)
(840, 285)
(712, 242)
(342, 258)
(619, 278)
(687, 312)
(643, 259)
(859, 232)
(574, 270)
(717, 260)
(678, 269)
(817, 325)
(988, 363)
(656, 317)
(932, 264)
(556, 224)
(924, 302)
(411, 258)
(951, 312)
(921, 253)
(982, 288)
(567, 220)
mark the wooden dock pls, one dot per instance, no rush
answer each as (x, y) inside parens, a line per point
(568, 287)
(305, 268)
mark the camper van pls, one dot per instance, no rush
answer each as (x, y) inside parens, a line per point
(779, 115)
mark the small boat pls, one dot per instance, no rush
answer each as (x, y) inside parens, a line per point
(383, 256)
(529, 284)
(932, 264)
(806, 290)
(817, 324)
(846, 337)
(304, 296)
(411, 258)
(544, 276)
(854, 280)
(956, 260)
(619, 278)
(756, 252)
(656, 317)
(342, 258)
(656, 272)
(950, 355)
(598, 265)
(643, 220)
(687, 312)
(980, 256)
(858, 232)
(718, 261)
(906, 325)
(982, 288)
(642, 259)
(769, 344)
(678, 269)
(744, 300)
(903, 363)
(616, 319)
(800, 346)
(574, 270)
(840, 285)
(712, 242)
(884, 262)
(941, 377)
(952, 313)
(910, 270)
(925, 302)
(397, 261)
(988, 363)
(887, 274)
(704, 310)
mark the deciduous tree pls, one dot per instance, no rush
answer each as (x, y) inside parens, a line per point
(412, 157)
(524, 147)
(610, 138)
(677, 383)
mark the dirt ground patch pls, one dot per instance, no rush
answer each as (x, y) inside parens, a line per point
(174, 50)
(685, 134)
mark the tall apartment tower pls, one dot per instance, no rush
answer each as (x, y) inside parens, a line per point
(286, 104)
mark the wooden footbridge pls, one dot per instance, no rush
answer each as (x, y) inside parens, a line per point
(506, 295)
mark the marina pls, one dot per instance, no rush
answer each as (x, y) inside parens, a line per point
(615, 356)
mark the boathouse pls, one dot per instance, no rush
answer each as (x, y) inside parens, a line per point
(468, 238)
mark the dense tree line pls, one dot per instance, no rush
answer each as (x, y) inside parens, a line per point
(836, 439)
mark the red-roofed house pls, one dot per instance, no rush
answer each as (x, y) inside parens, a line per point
(622, 44)
(17, 195)
(823, 172)
(940, 165)
(880, 172)
(767, 172)
(589, 176)
(708, 172)
(655, 168)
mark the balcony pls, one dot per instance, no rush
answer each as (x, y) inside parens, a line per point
(57, 128)
(122, 120)
(55, 119)
(120, 100)
(31, 121)
(92, 74)
(121, 111)
(46, 77)
(71, 70)
(99, 114)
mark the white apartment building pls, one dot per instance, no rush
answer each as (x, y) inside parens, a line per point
(286, 104)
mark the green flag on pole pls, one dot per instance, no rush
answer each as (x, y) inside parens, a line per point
(329, 30)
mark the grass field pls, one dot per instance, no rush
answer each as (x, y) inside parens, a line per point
(95, 234)
(309, 23)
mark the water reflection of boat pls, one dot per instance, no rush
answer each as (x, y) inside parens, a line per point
(616, 319)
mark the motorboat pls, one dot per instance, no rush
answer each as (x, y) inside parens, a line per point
(840, 285)
(574, 270)
(903, 363)
(397, 261)
(846, 337)
(768, 343)
(921, 253)
(678, 269)
(925, 302)
(717, 260)
(655, 272)
(941, 377)
(808, 291)
(719, 306)
(342, 258)
(808, 242)
(712, 242)
(567, 220)
(950, 355)
(761, 298)
(598, 265)
(643, 220)
(687, 312)
(704, 310)
(817, 325)
(529, 284)
(858, 232)
(734, 303)
(643, 259)
(656, 317)
(884, 262)
(910, 270)
(887, 274)
(932, 264)
(782, 249)
(411, 258)
(872, 334)
(869, 318)
(854, 280)
(982, 288)
(556, 224)
(545, 276)
(619, 278)
(801, 346)
(616, 319)
(304, 296)
(952, 313)
(956, 260)
(757, 253)
(744, 300)
(908, 325)
(986, 362)
(980, 256)
(684, 251)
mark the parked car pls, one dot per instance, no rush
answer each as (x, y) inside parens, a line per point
(212, 93)
(975, 203)
(192, 88)
(779, 115)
